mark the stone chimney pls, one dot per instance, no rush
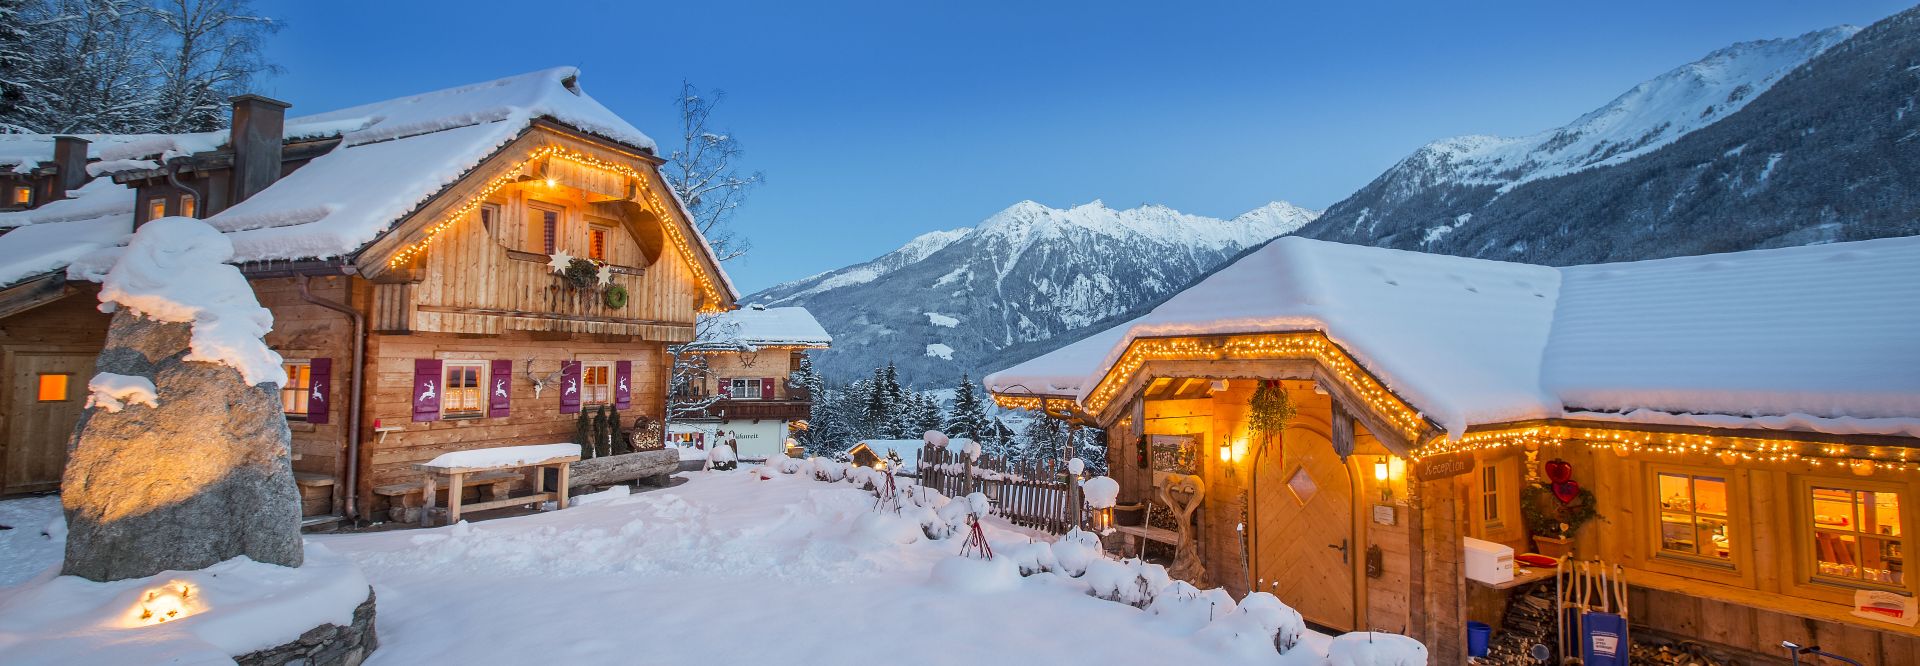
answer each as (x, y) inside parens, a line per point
(70, 158)
(258, 127)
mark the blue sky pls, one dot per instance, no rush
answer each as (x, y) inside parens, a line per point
(876, 122)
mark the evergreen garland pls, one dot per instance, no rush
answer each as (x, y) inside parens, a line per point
(1270, 410)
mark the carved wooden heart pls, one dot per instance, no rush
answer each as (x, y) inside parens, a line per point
(1558, 470)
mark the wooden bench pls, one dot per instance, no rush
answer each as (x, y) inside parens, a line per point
(461, 466)
(316, 493)
(406, 500)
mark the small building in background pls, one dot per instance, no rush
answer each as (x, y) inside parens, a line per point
(735, 384)
(871, 452)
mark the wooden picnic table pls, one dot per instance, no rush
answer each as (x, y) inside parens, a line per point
(457, 465)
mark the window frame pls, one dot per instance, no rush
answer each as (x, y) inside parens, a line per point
(1806, 549)
(448, 409)
(22, 196)
(734, 384)
(40, 387)
(489, 215)
(1657, 510)
(189, 206)
(540, 239)
(587, 387)
(295, 389)
(156, 207)
(1490, 513)
(599, 241)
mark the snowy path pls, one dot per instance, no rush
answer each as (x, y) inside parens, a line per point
(723, 569)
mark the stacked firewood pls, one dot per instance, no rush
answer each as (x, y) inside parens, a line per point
(1529, 623)
(1650, 649)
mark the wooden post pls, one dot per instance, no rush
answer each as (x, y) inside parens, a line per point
(426, 501)
(565, 468)
(453, 496)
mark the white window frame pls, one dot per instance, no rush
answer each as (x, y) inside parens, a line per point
(448, 408)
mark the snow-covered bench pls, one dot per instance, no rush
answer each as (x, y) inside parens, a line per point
(512, 460)
(405, 500)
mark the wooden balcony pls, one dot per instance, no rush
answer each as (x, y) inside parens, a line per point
(754, 410)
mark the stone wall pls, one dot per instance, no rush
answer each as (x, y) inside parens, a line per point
(325, 645)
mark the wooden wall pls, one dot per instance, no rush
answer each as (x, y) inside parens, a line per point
(304, 331)
(533, 420)
(765, 362)
(70, 325)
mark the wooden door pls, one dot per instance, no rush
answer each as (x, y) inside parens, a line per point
(1304, 529)
(48, 392)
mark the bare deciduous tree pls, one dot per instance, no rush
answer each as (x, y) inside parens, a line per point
(215, 55)
(704, 172)
(686, 392)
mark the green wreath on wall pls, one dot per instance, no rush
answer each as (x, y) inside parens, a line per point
(616, 297)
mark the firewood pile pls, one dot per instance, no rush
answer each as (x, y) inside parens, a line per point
(1657, 651)
(1529, 623)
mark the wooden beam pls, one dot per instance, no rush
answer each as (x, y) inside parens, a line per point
(34, 293)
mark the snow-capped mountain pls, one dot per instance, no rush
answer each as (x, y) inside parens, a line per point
(1633, 179)
(947, 301)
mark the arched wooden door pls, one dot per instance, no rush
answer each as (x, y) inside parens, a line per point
(1304, 529)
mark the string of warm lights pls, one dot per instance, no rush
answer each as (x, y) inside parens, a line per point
(653, 202)
(1859, 459)
(1302, 345)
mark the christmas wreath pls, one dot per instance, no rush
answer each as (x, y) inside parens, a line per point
(616, 297)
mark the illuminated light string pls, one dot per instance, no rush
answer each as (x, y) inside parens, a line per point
(653, 202)
(1730, 450)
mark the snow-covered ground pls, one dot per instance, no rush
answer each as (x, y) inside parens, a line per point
(726, 568)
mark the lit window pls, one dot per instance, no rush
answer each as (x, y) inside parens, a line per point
(295, 393)
(53, 388)
(596, 383)
(597, 243)
(745, 389)
(156, 208)
(1490, 494)
(22, 195)
(464, 395)
(1693, 516)
(543, 230)
(188, 206)
(1857, 536)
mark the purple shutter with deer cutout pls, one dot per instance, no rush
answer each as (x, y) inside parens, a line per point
(570, 387)
(622, 387)
(318, 395)
(426, 389)
(499, 389)
(766, 388)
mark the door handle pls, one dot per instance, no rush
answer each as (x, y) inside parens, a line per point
(1342, 548)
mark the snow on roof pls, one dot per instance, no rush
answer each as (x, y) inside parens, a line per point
(756, 325)
(1812, 338)
(98, 215)
(909, 450)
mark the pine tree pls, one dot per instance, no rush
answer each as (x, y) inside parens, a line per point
(1090, 446)
(968, 418)
(814, 386)
(874, 421)
(583, 435)
(1044, 437)
(14, 60)
(926, 415)
(899, 408)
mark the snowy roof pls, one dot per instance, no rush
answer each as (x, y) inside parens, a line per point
(757, 325)
(98, 215)
(1813, 338)
(909, 450)
(393, 157)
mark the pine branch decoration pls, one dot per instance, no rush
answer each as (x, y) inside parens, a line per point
(1270, 410)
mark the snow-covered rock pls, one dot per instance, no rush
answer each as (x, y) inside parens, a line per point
(113, 392)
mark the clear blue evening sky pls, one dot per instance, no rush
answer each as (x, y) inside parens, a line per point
(875, 122)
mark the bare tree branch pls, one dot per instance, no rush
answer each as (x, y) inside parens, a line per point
(703, 171)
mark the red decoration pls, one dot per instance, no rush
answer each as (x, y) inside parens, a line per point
(1558, 471)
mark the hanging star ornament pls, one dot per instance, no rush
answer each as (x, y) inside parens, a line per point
(606, 274)
(558, 262)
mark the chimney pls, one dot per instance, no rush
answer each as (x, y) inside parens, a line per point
(70, 159)
(258, 126)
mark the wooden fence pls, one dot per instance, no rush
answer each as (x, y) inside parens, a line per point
(1034, 494)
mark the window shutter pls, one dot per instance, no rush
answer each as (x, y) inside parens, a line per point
(622, 390)
(321, 372)
(766, 388)
(426, 389)
(726, 387)
(500, 391)
(570, 387)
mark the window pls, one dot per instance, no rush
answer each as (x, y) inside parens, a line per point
(463, 394)
(1490, 495)
(489, 213)
(53, 387)
(22, 195)
(188, 206)
(745, 389)
(294, 395)
(597, 242)
(1857, 536)
(156, 208)
(596, 383)
(543, 229)
(1693, 516)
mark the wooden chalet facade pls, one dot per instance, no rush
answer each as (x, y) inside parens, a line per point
(452, 327)
(1736, 530)
(739, 387)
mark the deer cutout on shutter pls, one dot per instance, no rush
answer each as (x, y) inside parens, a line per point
(540, 383)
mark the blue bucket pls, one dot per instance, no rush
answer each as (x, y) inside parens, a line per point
(1477, 635)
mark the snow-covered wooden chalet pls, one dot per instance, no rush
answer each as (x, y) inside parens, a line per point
(1746, 424)
(465, 268)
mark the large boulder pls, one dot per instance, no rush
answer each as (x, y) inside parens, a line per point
(182, 457)
(205, 476)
